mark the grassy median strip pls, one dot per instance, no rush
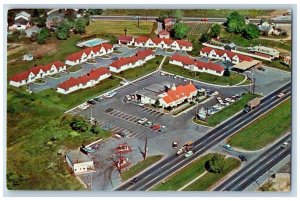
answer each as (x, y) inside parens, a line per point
(265, 129)
(137, 72)
(134, 170)
(209, 178)
(228, 111)
(233, 79)
(191, 171)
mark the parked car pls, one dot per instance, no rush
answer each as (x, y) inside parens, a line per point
(215, 93)
(204, 19)
(174, 144)
(107, 127)
(142, 121)
(242, 158)
(280, 95)
(285, 144)
(175, 76)
(123, 133)
(108, 110)
(135, 180)
(148, 124)
(162, 129)
(228, 147)
(261, 68)
(141, 104)
(162, 73)
(91, 102)
(185, 80)
(155, 127)
(128, 97)
(124, 83)
(188, 154)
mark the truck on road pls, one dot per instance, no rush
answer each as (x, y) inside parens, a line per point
(187, 147)
(252, 104)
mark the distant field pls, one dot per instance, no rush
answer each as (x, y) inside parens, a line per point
(117, 27)
(264, 130)
(198, 28)
(189, 12)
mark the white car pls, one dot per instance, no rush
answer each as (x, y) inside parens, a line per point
(188, 154)
(128, 97)
(162, 74)
(280, 95)
(142, 121)
(215, 93)
(124, 83)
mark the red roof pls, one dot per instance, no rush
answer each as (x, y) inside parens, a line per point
(57, 65)
(92, 75)
(20, 76)
(167, 20)
(75, 56)
(36, 69)
(121, 62)
(142, 39)
(179, 93)
(183, 59)
(88, 50)
(262, 54)
(229, 53)
(165, 40)
(164, 32)
(184, 43)
(107, 46)
(209, 65)
(142, 54)
(125, 38)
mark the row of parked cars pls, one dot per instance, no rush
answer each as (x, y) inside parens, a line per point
(222, 104)
(99, 99)
(148, 124)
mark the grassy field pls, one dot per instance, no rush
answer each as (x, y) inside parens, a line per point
(198, 28)
(228, 111)
(277, 64)
(193, 170)
(117, 27)
(264, 130)
(234, 78)
(188, 12)
(134, 170)
(209, 178)
(137, 72)
(239, 40)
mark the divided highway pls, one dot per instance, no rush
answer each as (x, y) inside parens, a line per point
(188, 19)
(173, 163)
(252, 171)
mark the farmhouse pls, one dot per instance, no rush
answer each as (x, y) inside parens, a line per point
(178, 95)
(37, 72)
(125, 63)
(79, 162)
(22, 21)
(88, 53)
(169, 23)
(143, 41)
(198, 66)
(125, 40)
(89, 80)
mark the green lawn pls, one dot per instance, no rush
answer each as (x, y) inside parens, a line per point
(134, 73)
(187, 106)
(265, 129)
(191, 171)
(208, 179)
(117, 27)
(234, 78)
(188, 12)
(74, 68)
(277, 64)
(134, 170)
(228, 111)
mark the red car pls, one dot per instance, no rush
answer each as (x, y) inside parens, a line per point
(204, 19)
(155, 127)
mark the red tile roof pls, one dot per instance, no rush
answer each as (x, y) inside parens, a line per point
(209, 65)
(165, 40)
(107, 46)
(183, 59)
(142, 39)
(75, 56)
(57, 65)
(229, 53)
(164, 32)
(167, 20)
(121, 62)
(125, 38)
(179, 93)
(72, 81)
(142, 54)
(20, 76)
(184, 43)
(36, 69)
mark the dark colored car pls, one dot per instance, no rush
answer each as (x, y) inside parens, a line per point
(135, 180)
(109, 110)
(242, 158)
(91, 102)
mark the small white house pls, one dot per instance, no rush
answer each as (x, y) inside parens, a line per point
(79, 162)
(22, 21)
(28, 57)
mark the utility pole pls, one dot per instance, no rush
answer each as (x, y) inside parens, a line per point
(138, 18)
(144, 153)
(125, 31)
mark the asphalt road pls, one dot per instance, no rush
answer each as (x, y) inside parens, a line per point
(252, 171)
(189, 19)
(171, 164)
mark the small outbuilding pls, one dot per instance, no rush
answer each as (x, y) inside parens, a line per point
(164, 34)
(79, 163)
(28, 57)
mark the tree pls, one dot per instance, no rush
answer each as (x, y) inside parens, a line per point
(79, 26)
(35, 13)
(62, 31)
(165, 14)
(215, 30)
(177, 14)
(204, 37)
(157, 104)
(216, 164)
(226, 72)
(43, 35)
(33, 37)
(235, 22)
(95, 11)
(41, 21)
(79, 124)
(251, 31)
(180, 30)
(95, 129)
